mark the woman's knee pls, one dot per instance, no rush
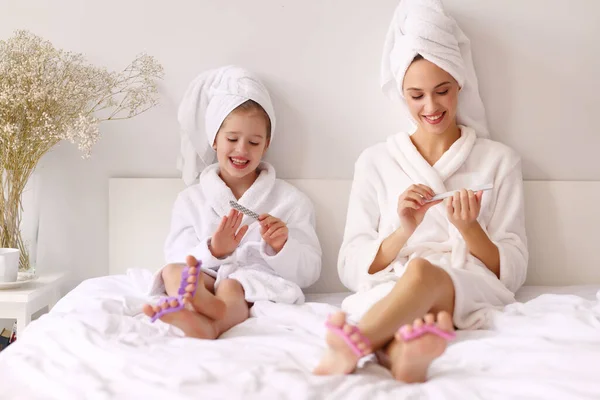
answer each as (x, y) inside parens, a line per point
(429, 277)
(421, 271)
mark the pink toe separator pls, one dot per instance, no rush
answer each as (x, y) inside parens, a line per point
(185, 274)
(346, 337)
(415, 333)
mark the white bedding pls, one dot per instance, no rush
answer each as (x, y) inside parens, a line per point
(526, 293)
(95, 344)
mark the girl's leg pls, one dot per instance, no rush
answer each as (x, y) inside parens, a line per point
(201, 326)
(205, 302)
(237, 310)
(196, 319)
(171, 275)
(422, 288)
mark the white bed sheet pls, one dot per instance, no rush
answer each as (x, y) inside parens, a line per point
(95, 344)
(526, 293)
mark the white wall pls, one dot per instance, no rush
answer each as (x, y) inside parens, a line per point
(537, 61)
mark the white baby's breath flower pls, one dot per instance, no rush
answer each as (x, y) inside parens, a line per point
(48, 95)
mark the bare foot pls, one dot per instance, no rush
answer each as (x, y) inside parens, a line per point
(340, 359)
(410, 359)
(203, 302)
(190, 319)
(190, 322)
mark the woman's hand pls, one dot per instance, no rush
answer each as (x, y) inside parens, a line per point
(463, 209)
(412, 206)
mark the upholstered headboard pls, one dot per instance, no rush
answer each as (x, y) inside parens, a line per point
(561, 227)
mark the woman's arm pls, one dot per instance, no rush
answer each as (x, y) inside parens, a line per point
(388, 250)
(480, 245)
(503, 249)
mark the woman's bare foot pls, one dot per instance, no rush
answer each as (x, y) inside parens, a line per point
(340, 359)
(410, 359)
(196, 318)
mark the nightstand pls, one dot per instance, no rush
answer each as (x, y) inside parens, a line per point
(22, 302)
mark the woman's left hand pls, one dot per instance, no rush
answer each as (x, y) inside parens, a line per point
(273, 231)
(463, 208)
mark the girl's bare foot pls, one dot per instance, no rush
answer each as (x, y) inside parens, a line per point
(410, 359)
(190, 319)
(190, 322)
(204, 302)
(340, 359)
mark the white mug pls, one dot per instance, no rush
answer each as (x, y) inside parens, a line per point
(9, 264)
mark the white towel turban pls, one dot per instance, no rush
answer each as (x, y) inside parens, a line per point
(422, 27)
(206, 103)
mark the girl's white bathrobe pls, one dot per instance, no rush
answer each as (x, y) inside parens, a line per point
(385, 171)
(198, 211)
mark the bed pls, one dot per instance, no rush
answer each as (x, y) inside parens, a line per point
(96, 344)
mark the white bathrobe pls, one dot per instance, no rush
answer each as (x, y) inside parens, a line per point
(197, 212)
(386, 170)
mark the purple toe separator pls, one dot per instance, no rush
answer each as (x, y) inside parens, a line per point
(185, 274)
(428, 329)
(169, 309)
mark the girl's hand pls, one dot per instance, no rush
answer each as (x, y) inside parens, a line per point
(227, 237)
(273, 231)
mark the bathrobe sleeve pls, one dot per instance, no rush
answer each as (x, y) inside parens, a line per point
(183, 240)
(361, 237)
(299, 260)
(506, 227)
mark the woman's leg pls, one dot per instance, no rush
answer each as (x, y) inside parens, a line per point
(422, 288)
(410, 360)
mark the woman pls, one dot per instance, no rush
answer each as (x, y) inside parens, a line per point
(419, 265)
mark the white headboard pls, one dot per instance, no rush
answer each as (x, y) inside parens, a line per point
(561, 227)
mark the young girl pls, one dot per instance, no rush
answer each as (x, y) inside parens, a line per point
(220, 261)
(420, 265)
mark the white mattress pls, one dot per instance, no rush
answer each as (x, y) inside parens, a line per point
(95, 344)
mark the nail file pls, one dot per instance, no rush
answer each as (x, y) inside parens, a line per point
(243, 209)
(475, 189)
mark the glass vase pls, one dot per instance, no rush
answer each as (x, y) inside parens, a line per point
(19, 215)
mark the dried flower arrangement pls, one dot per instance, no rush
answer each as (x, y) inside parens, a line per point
(48, 95)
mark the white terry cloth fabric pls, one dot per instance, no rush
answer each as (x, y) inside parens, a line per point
(197, 212)
(208, 100)
(385, 171)
(422, 27)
